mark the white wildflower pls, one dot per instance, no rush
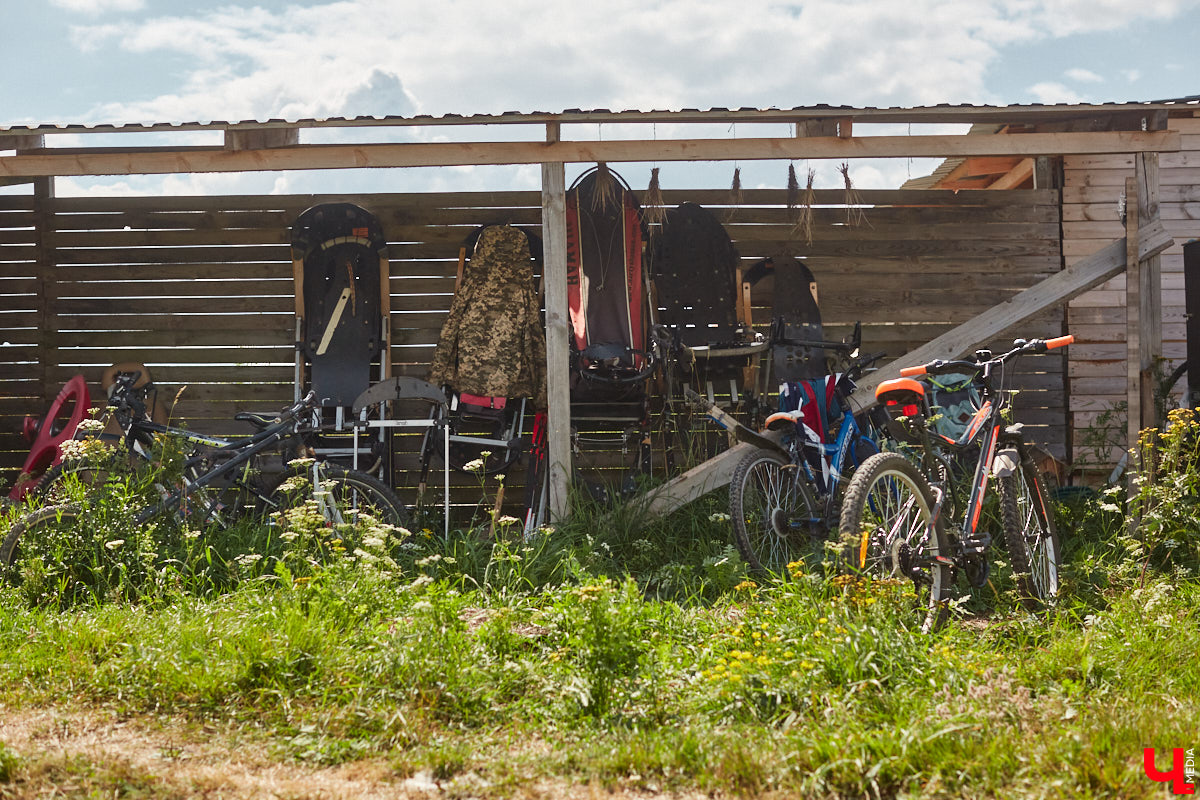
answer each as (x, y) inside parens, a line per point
(421, 582)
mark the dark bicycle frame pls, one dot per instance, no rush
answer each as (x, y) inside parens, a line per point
(986, 429)
(138, 431)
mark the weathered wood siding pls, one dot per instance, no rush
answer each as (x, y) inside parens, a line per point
(200, 288)
(1093, 189)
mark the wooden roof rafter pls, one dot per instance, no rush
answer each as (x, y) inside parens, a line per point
(148, 161)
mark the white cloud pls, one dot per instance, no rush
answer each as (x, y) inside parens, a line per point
(97, 7)
(1067, 17)
(1051, 92)
(403, 57)
(384, 57)
(1083, 75)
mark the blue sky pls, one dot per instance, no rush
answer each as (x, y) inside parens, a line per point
(88, 61)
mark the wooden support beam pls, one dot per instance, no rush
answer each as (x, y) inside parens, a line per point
(817, 127)
(1133, 328)
(1043, 173)
(558, 399)
(261, 139)
(1149, 291)
(432, 154)
(47, 287)
(1021, 172)
(30, 141)
(1060, 287)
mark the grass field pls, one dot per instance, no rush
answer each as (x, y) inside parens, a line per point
(601, 657)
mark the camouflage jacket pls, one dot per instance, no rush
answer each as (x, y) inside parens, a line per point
(493, 342)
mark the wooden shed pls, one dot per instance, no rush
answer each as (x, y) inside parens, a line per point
(199, 287)
(1096, 195)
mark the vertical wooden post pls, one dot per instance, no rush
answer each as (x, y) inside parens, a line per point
(558, 397)
(1149, 291)
(47, 288)
(1133, 306)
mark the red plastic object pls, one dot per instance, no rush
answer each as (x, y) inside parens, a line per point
(59, 424)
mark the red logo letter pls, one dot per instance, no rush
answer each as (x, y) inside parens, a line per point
(1176, 775)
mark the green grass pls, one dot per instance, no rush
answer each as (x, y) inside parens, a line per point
(617, 655)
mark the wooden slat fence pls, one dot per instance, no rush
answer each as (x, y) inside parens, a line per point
(1093, 187)
(200, 288)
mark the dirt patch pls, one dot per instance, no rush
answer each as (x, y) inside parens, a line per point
(68, 753)
(185, 760)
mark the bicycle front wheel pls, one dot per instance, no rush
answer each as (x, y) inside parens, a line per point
(889, 532)
(1030, 533)
(344, 495)
(773, 510)
(44, 524)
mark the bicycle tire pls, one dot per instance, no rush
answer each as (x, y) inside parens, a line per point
(47, 486)
(768, 495)
(44, 489)
(884, 525)
(27, 526)
(1030, 533)
(350, 489)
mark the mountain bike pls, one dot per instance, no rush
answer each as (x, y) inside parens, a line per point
(219, 483)
(783, 495)
(900, 519)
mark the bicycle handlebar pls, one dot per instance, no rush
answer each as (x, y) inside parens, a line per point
(1061, 341)
(941, 367)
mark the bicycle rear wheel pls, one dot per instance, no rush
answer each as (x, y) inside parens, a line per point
(773, 510)
(350, 494)
(1030, 533)
(886, 528)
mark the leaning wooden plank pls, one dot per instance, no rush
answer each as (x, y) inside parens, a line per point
(1058, 288)
(696, 482)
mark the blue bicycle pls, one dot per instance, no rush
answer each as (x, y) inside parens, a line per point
(784, 495)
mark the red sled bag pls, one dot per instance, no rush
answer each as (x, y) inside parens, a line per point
(606, 289)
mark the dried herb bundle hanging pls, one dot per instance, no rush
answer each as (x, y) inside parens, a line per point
(654, 211)
(735, 192)
(608, 188)
(853, 200)
(793, 188)
(804, 220)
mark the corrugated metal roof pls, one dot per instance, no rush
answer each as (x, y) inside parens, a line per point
(923, 114)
